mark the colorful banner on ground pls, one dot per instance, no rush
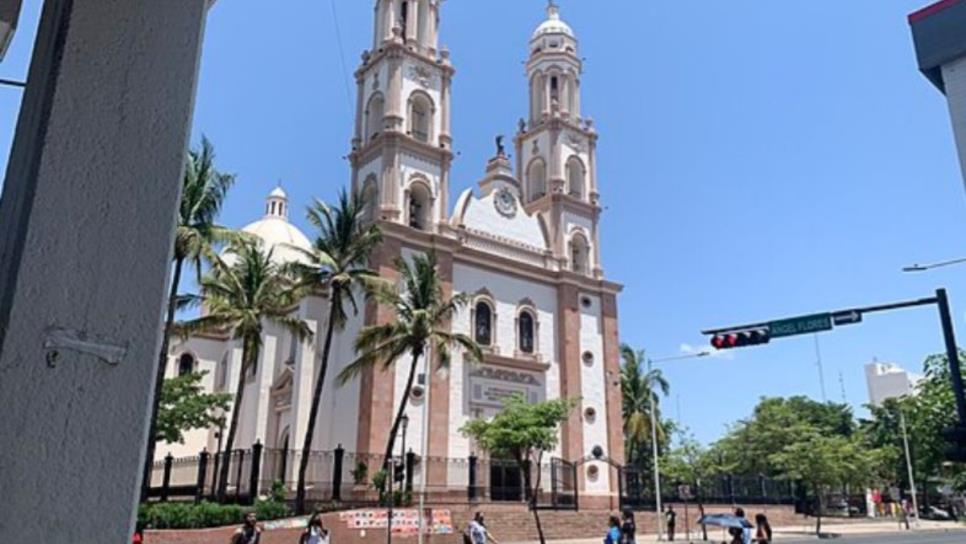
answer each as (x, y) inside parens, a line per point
(405, 521)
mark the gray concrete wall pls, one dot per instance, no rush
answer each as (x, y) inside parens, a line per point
(86, 225)
(954, 76)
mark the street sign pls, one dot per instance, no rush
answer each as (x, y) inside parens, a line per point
(805, 324)
(684, 491)
(850, 317)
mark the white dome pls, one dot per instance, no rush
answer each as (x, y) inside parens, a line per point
(280, 236)
(553, 24)
(278, 192)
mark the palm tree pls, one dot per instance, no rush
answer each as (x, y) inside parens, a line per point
(640, 393)
(203, 191)
(419, 326)
(337, 262)
(242, 297)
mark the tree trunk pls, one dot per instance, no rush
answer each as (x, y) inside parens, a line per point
(402, 407)
(314, 411)
(159, 379)
(249, 353)
(818, 513)
(533, 496)
(392, 439)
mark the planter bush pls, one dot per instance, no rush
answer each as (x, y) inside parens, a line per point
(181, 515)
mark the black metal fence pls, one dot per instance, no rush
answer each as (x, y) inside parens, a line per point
(359, 479)
(637, 490)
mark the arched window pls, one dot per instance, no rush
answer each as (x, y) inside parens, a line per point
(374, 114)
(404, 17)
(579, 254)
(420, 117)
(186, 365)
(554, 89)
(483, 324)
(537, 179)
(527, 325)
(575, 177)
(419, 206)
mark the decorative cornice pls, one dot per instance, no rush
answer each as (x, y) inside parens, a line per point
(395, 50)
(373, 147)
(518, 363)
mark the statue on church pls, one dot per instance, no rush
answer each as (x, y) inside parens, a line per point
(500, 148)
(521, 126)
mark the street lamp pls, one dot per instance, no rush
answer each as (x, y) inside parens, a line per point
(924, 267)
(652, 401)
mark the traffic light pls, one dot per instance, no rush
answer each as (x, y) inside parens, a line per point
(957, 437)
(740, 339)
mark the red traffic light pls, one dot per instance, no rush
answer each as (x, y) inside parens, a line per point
(739, 339)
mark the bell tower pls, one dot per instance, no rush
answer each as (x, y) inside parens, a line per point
(556, 148)
(402, 148)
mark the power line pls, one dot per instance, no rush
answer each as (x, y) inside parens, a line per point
(345, 69)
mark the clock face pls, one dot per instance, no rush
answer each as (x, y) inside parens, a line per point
(505, 203)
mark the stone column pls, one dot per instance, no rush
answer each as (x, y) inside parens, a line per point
(612, 375)
(572, 432)
(86, 232)
(303, 380)
(263, 384)
(439, 396)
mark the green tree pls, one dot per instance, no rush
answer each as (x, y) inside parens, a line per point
(640, 390)
(185, 406)
(523, 431)
(420, 325)
(337, 263)
(746, 448)
(203, 191)
(928, 412)
(242, 294)
(822, 461)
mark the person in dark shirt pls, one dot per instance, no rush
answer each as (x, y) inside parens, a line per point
(671, 518)
(628, 528)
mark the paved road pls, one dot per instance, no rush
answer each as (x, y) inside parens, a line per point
(929, 537)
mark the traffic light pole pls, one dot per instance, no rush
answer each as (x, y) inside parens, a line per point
(952, 353)
(854, 315)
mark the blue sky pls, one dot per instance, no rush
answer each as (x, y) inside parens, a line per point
(757, 159)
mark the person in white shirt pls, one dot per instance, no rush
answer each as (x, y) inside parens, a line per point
(315, 533)
(476, 531)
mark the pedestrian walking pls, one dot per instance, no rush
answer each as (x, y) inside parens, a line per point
(315, 532)
(613, 535)
(763, 534)
(249, 532)
(670, 518)
(740, 535)
(476, 532)
(628, 528)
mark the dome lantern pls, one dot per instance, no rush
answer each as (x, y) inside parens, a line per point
(276, 205)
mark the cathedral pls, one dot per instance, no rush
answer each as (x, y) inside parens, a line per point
(525, 245)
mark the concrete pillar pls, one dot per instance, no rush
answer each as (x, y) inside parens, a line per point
(264, 377)
(954, 77)
(303, 381)
(86, 231)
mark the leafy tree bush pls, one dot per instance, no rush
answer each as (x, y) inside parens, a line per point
(185, 515)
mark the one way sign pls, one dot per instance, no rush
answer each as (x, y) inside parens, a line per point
(850, 317)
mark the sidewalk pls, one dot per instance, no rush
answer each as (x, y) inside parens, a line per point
(800, 531)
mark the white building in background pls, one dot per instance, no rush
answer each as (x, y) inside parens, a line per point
(524, 244)
(888, 380)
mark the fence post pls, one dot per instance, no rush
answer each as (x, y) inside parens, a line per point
(214, 473)
(238, 474)
(202, 471)
(256, 469)
(731, 488)
(337, 473)
(410, 463)
(166, 479)
(471, 486)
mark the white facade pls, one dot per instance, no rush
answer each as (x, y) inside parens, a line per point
(541, 308)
